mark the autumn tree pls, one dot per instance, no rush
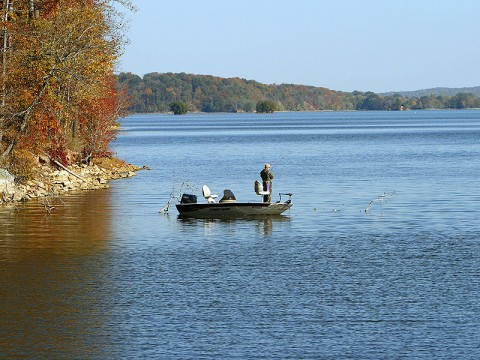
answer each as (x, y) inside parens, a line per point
(57, 65)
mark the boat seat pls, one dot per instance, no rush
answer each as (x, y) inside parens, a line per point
(228, 197)
(259, 189)
(207, 194)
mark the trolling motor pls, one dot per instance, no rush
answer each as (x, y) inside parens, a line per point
(286, 194)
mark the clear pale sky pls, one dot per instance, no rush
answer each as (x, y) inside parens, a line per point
(347, 45)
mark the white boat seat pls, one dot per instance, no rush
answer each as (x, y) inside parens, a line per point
(207, 194)
(259, 189)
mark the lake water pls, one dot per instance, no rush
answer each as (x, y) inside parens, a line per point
(106, 276)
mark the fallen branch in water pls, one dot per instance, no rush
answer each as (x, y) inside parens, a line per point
(175, 194)
(48, 205)
(381, 198)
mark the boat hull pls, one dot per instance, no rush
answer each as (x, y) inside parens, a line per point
(232, 210)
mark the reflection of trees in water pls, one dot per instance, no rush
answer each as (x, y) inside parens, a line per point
(78, 224)
(53, 277)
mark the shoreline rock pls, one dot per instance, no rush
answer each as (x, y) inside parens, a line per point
(55, 181)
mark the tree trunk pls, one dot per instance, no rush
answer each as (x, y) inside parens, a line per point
(6, 7)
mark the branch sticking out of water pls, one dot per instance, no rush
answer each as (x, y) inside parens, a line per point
(379, 199)
(48, 205)
(176, 194)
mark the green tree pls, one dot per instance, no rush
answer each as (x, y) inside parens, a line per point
(463, 101)
(266, 106)
(372, 102)
(178, 107)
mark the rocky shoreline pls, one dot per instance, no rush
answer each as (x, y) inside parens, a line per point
(54, 180)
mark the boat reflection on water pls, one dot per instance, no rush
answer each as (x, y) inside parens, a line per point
(263, 225)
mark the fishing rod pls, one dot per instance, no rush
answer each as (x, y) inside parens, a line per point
(279, 161)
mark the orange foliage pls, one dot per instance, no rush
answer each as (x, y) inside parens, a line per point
(57, 77)
(97, 122)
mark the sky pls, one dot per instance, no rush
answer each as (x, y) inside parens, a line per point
(343, 45)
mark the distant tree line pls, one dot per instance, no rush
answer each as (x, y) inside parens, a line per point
(155, 92)
(437, 91)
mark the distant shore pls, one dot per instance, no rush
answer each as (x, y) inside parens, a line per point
(292, 111)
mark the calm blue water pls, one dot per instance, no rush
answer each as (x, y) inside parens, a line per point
(107, 276)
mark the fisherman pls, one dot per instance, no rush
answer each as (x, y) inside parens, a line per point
(267, 177)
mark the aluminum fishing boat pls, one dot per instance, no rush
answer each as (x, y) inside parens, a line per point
(228, 207)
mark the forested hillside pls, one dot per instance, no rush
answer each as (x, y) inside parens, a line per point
(156, 91)
(439, 91)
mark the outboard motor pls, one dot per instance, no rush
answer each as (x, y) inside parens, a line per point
(188, 199)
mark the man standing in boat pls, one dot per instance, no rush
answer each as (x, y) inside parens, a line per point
(267, 177)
